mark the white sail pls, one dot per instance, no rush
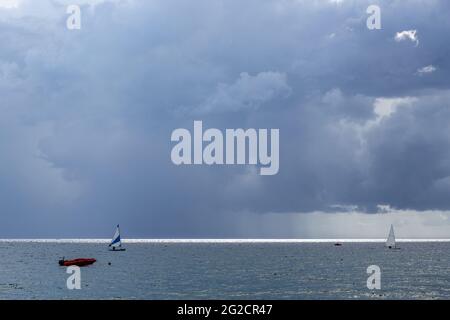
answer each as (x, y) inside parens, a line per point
(116, 242)
(390, 242)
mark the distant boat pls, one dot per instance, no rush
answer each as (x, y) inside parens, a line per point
(390, 241)
(338, 244)
(116, 243)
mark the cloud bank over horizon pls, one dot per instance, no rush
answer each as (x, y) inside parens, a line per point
(87, 115)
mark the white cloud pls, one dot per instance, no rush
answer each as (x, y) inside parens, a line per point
(407, 35)
(336, 1)
(427, 69)
(384, 107)
(9, 4)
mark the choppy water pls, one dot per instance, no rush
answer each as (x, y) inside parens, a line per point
(227, 271)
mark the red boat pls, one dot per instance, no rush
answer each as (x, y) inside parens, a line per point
(81, 262)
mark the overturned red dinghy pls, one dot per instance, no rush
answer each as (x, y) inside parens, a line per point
(81, 262)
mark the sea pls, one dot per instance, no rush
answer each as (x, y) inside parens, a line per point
(226, 269)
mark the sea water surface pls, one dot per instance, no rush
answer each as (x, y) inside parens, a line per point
(228, 270)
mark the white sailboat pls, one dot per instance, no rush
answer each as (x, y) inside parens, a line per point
(116, 243)
(390, 241)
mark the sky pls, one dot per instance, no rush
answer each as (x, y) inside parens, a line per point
(86, 118)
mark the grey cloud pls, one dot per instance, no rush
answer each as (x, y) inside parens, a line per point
(87, 116)
(247, 92)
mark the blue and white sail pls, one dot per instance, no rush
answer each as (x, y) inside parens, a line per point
(116, 242)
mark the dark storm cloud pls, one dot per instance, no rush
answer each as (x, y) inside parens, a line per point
(87, 115)
(409, 156)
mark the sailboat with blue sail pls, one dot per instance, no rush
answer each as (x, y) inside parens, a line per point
(116, 242)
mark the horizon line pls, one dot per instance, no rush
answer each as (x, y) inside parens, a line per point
(179, 240)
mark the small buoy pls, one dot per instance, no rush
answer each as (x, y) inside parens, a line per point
(109, 263)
